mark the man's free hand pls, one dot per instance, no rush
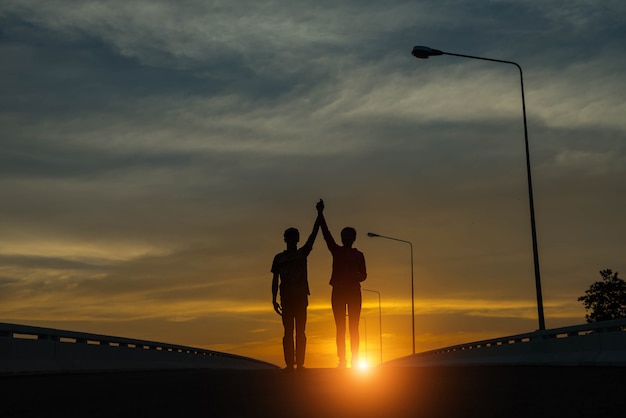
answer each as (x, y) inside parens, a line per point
(278, 308)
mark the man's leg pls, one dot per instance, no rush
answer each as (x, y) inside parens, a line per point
(339, 312)
(288, 324)
(300, 319)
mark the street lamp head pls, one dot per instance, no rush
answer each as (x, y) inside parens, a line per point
(424, 52)
(371, 234)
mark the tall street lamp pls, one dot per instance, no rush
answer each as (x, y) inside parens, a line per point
(373, 235)
(424, 52)
(380, 322)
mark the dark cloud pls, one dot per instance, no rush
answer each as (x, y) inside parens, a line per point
(7, 281)
(48, 263)
(80, 74)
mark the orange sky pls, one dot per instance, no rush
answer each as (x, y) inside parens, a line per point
(153, 153)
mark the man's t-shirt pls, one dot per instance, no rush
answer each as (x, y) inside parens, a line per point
(291, 267)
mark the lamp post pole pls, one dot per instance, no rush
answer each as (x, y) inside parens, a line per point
(373, 235)
(365, 326)
(424, 52)
(380, 322)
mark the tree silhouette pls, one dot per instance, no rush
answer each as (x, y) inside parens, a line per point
(605, 299)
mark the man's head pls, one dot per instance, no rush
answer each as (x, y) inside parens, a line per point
(291, 235)
(348, 236)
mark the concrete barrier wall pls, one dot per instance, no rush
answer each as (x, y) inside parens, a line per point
(597, 344)
(25, 349)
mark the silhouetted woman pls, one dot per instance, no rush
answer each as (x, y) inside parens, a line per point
(347, 274)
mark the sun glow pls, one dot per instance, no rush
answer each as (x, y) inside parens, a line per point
(363, 366)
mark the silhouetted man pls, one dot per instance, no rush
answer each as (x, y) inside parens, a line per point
(290, 268)
(347, 275)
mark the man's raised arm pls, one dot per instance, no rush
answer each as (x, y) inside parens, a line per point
(309, 242)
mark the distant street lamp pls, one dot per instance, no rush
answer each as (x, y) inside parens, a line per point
(380, 322)
(365, 327)
(373, 235)
(424, 52)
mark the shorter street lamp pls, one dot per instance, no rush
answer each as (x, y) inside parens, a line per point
(380, 322)
(373, 235)
(365, 326)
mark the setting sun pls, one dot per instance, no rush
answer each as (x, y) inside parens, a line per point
(363, 365)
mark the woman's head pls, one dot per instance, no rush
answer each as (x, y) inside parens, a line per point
(348, 236)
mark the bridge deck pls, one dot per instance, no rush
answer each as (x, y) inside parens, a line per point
(502, 391)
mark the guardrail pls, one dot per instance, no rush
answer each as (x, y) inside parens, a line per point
(596, 344)
(28, 349)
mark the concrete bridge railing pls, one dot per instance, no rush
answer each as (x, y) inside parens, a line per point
(27, 349)
(594, 344)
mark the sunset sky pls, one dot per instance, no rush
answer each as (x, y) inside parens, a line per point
(153, 152)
